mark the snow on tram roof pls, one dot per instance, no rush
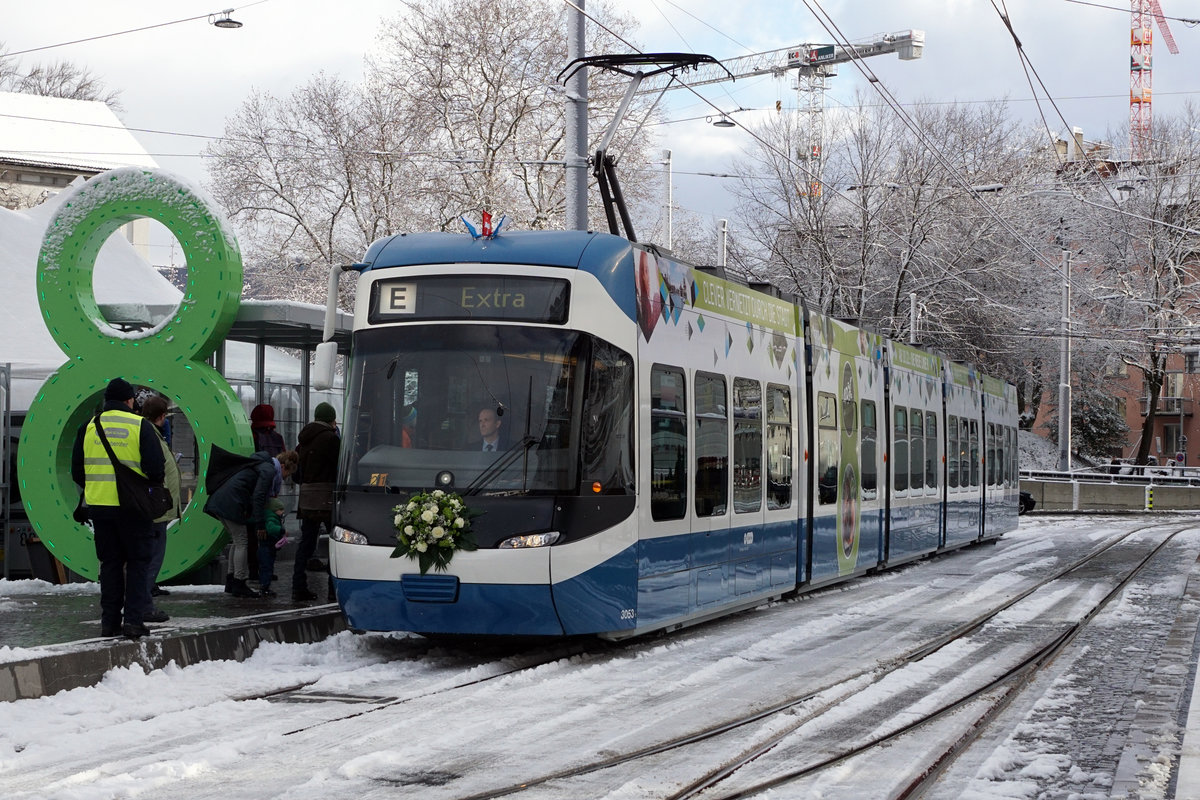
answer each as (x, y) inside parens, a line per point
(539, 248)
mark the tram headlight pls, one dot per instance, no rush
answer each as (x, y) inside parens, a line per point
(530, 540)
(347, 536)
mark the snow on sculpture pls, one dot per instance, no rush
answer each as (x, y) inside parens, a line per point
(169, 357)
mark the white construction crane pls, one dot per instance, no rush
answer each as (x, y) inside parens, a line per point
(813, 63)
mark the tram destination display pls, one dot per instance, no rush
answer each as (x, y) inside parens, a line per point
(477, 297)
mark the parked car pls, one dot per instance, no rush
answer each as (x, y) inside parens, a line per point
(1026, 504)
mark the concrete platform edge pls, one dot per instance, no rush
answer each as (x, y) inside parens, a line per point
(85, 663)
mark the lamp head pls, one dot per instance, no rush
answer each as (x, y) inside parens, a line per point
(223, 20)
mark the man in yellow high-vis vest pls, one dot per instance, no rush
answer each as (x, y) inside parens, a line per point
(124, 540)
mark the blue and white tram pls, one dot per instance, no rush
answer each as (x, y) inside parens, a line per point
(675, 446)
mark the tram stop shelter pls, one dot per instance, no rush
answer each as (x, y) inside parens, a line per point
(283, 335)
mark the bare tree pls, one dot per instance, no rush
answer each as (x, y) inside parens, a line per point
(456, 114)
(1142, 253)
(56, 79)
(902, 214)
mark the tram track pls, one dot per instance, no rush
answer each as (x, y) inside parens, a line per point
(527, 661)
(823, 699)
(997, 694)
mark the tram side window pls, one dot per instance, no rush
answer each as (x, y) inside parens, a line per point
(827, 448)
(974, 453)
(869, 452)
(747, 445)
(931, 450)
(1006, 455)
(916, 449)
(900, 448)
(991, 458)
(779, 447)
(606, 435)
(712, 445)
(952, 451)
(668, 443)
(1014, 478)
(964, 452)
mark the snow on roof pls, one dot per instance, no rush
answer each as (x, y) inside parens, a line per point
(72, 134)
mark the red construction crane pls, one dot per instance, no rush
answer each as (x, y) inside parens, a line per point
(1140, 75)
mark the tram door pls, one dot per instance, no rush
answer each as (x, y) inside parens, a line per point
(964, 457)
(999, 473)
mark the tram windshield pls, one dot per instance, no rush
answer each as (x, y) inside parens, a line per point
(501, 409)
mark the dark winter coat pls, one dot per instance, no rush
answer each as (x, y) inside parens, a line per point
(239, 492)
(318, 446)
(268, 439)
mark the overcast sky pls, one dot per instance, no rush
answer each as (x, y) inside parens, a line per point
(185, 79)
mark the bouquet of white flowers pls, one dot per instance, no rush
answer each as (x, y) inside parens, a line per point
(431, 527)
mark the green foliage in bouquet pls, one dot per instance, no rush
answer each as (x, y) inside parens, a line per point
(431, 527)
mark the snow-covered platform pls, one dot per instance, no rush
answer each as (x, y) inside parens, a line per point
(48, 633)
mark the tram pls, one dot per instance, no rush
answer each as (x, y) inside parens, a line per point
(676, 446)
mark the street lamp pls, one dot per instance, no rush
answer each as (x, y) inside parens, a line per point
(222, 19)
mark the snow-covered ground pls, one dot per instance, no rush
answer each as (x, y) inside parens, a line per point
(388, 716)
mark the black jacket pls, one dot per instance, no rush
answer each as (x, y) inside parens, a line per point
(242, 495)
(318, 446)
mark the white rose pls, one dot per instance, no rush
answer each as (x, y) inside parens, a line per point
(411, 507)
(408, 530)
(422, 547)
(399, 519)
(459, 522)
(438, 532)
(427, 516)
(438, 493)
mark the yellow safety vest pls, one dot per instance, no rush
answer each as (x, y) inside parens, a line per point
(123, 430)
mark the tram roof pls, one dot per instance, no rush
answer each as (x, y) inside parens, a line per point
(536, 248)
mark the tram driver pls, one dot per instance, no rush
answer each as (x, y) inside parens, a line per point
(490, 431)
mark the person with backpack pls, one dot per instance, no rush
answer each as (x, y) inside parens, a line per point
(239, 488)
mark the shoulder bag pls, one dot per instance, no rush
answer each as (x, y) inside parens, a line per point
(136, 492)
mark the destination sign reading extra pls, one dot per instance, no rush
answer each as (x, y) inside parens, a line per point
(491, 297)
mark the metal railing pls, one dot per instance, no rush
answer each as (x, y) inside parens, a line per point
(1168, 406)
(1137, 475)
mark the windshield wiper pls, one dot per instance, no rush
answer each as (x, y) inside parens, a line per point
(502, 463)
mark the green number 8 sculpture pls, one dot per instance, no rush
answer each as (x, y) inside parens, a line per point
(169, 358)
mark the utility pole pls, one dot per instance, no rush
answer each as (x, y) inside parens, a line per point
(670, 201)
(577, 127)
(912, 318)
(1064, 369)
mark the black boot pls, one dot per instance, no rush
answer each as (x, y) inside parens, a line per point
(240, 589)
(131, 631)
(229, 583)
